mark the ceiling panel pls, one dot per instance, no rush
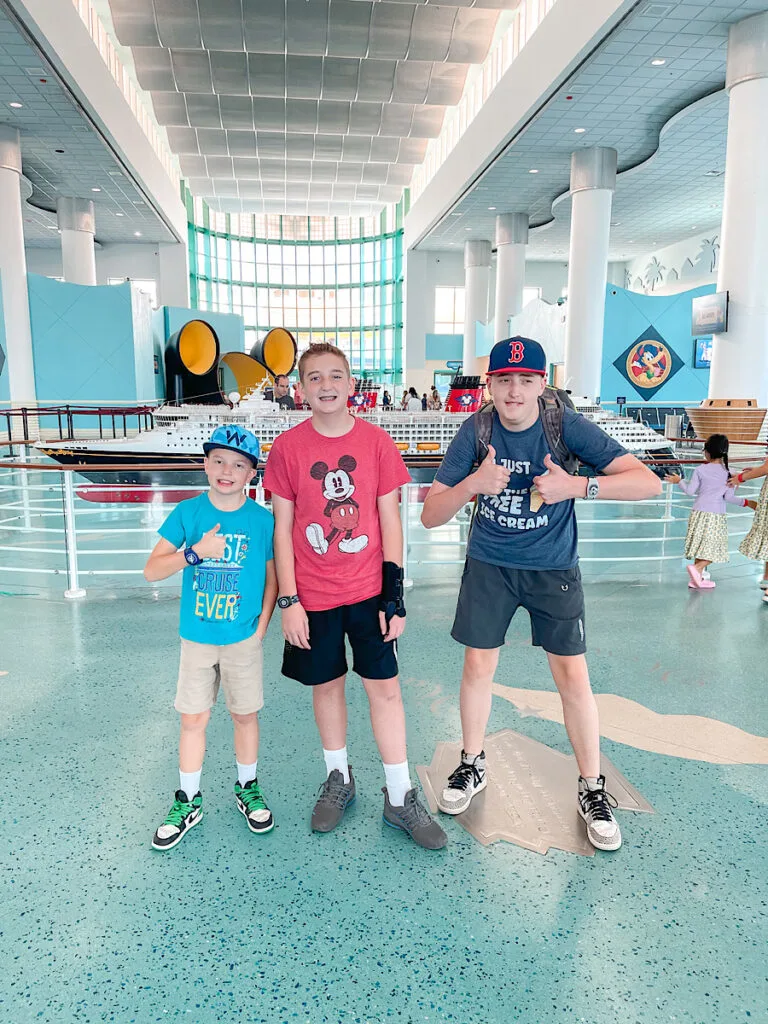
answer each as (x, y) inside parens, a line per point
(620, 100)
(370, 77)
(63, 155)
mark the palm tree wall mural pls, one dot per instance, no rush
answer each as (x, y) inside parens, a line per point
(703, 263)
(654, 273)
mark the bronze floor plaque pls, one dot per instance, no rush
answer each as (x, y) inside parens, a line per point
(530, 798)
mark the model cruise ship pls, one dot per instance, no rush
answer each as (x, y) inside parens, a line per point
(178, 433)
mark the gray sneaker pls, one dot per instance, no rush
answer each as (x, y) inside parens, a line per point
(335, 797)
(414, 819)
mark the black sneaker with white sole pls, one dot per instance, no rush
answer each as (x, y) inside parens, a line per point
(183, 815)
(596, 808)
(463, 783)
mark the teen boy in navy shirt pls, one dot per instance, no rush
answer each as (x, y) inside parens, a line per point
(522, 553)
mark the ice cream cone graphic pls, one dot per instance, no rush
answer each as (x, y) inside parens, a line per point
(536, 500)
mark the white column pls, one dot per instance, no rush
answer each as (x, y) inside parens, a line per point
(173, 265)
(593, 179)
(511, 240)
(740, 356)
(477, 282)
(77, 226)
(13, 272)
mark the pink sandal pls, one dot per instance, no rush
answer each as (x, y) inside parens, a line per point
(697, 580)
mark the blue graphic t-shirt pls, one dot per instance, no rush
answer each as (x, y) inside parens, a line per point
(221, 598)
(515, 529)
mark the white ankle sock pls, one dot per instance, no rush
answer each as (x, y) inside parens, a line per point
(190, 782)
(398, 782)
(246, 772)
(336, 760)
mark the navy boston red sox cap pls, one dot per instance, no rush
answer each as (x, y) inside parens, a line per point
(517, 355)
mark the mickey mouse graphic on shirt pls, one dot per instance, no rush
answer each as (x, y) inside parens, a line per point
(341, 509)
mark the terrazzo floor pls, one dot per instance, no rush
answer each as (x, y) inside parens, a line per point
(360, 925)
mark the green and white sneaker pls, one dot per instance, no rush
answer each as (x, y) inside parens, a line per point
(252, 805)
(183, 815)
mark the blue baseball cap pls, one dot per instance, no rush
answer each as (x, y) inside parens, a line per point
(518, 355)
(236, 439)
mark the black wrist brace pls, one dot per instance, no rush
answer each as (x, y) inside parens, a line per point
(391, 601)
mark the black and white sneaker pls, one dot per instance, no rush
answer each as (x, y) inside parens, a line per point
(596, 808)
(463, 783)
(183, 815)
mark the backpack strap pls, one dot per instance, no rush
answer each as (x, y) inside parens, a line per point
(483, 420)
(552, 405)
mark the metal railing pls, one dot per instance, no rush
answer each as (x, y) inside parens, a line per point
(24, 425)
(55, 524)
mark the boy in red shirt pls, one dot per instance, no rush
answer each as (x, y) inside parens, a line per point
(338, 541)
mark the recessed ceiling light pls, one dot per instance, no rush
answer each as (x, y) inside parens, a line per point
(51, 227)
(658, 62)
(694, 226)
(95, 190)
(534, 170)
(115, 174)
(579, 131)
(467, 229)
(491, 207)
(119, 214)
(16, 106)
(137, 234)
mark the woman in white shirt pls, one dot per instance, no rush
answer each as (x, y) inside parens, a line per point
(414, 402)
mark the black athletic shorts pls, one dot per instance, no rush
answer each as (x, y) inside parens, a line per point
(372, 658)
(490, 595)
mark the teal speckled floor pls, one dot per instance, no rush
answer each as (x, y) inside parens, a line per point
(359, 925)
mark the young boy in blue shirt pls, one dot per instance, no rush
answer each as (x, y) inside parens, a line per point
(223, 543)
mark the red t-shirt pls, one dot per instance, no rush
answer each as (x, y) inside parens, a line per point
(334, 483)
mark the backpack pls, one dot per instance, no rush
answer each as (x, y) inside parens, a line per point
(552, 404)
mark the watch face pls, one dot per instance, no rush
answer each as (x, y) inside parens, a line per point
(191, 557)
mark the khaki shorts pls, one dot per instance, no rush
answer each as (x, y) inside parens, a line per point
(237, 667)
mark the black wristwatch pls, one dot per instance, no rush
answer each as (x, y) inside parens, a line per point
(191, 556)
(286, 602)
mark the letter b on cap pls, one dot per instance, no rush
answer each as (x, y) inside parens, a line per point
(516, 352)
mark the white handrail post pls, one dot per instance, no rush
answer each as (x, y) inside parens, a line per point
(23, 455)
(407, 582)
(74, 590)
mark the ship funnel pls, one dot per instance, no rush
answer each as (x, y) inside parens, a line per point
(276, 351)
(191, 364)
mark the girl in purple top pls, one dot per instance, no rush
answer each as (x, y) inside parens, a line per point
(707, 538)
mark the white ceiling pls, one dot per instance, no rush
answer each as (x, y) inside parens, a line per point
(303, 106)
(49, 120)
(624, 102)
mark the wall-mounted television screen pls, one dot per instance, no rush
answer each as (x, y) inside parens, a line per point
(702, 354)
(709, 314)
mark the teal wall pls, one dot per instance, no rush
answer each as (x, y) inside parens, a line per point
(627, 316)
(442, 347)
(83, 341)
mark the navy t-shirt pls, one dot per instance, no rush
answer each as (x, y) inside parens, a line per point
(515, 529)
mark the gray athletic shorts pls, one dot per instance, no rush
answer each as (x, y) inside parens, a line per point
(491, 594)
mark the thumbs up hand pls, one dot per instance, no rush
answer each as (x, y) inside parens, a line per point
(490, 478)
(554, 484)
(212, 544)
